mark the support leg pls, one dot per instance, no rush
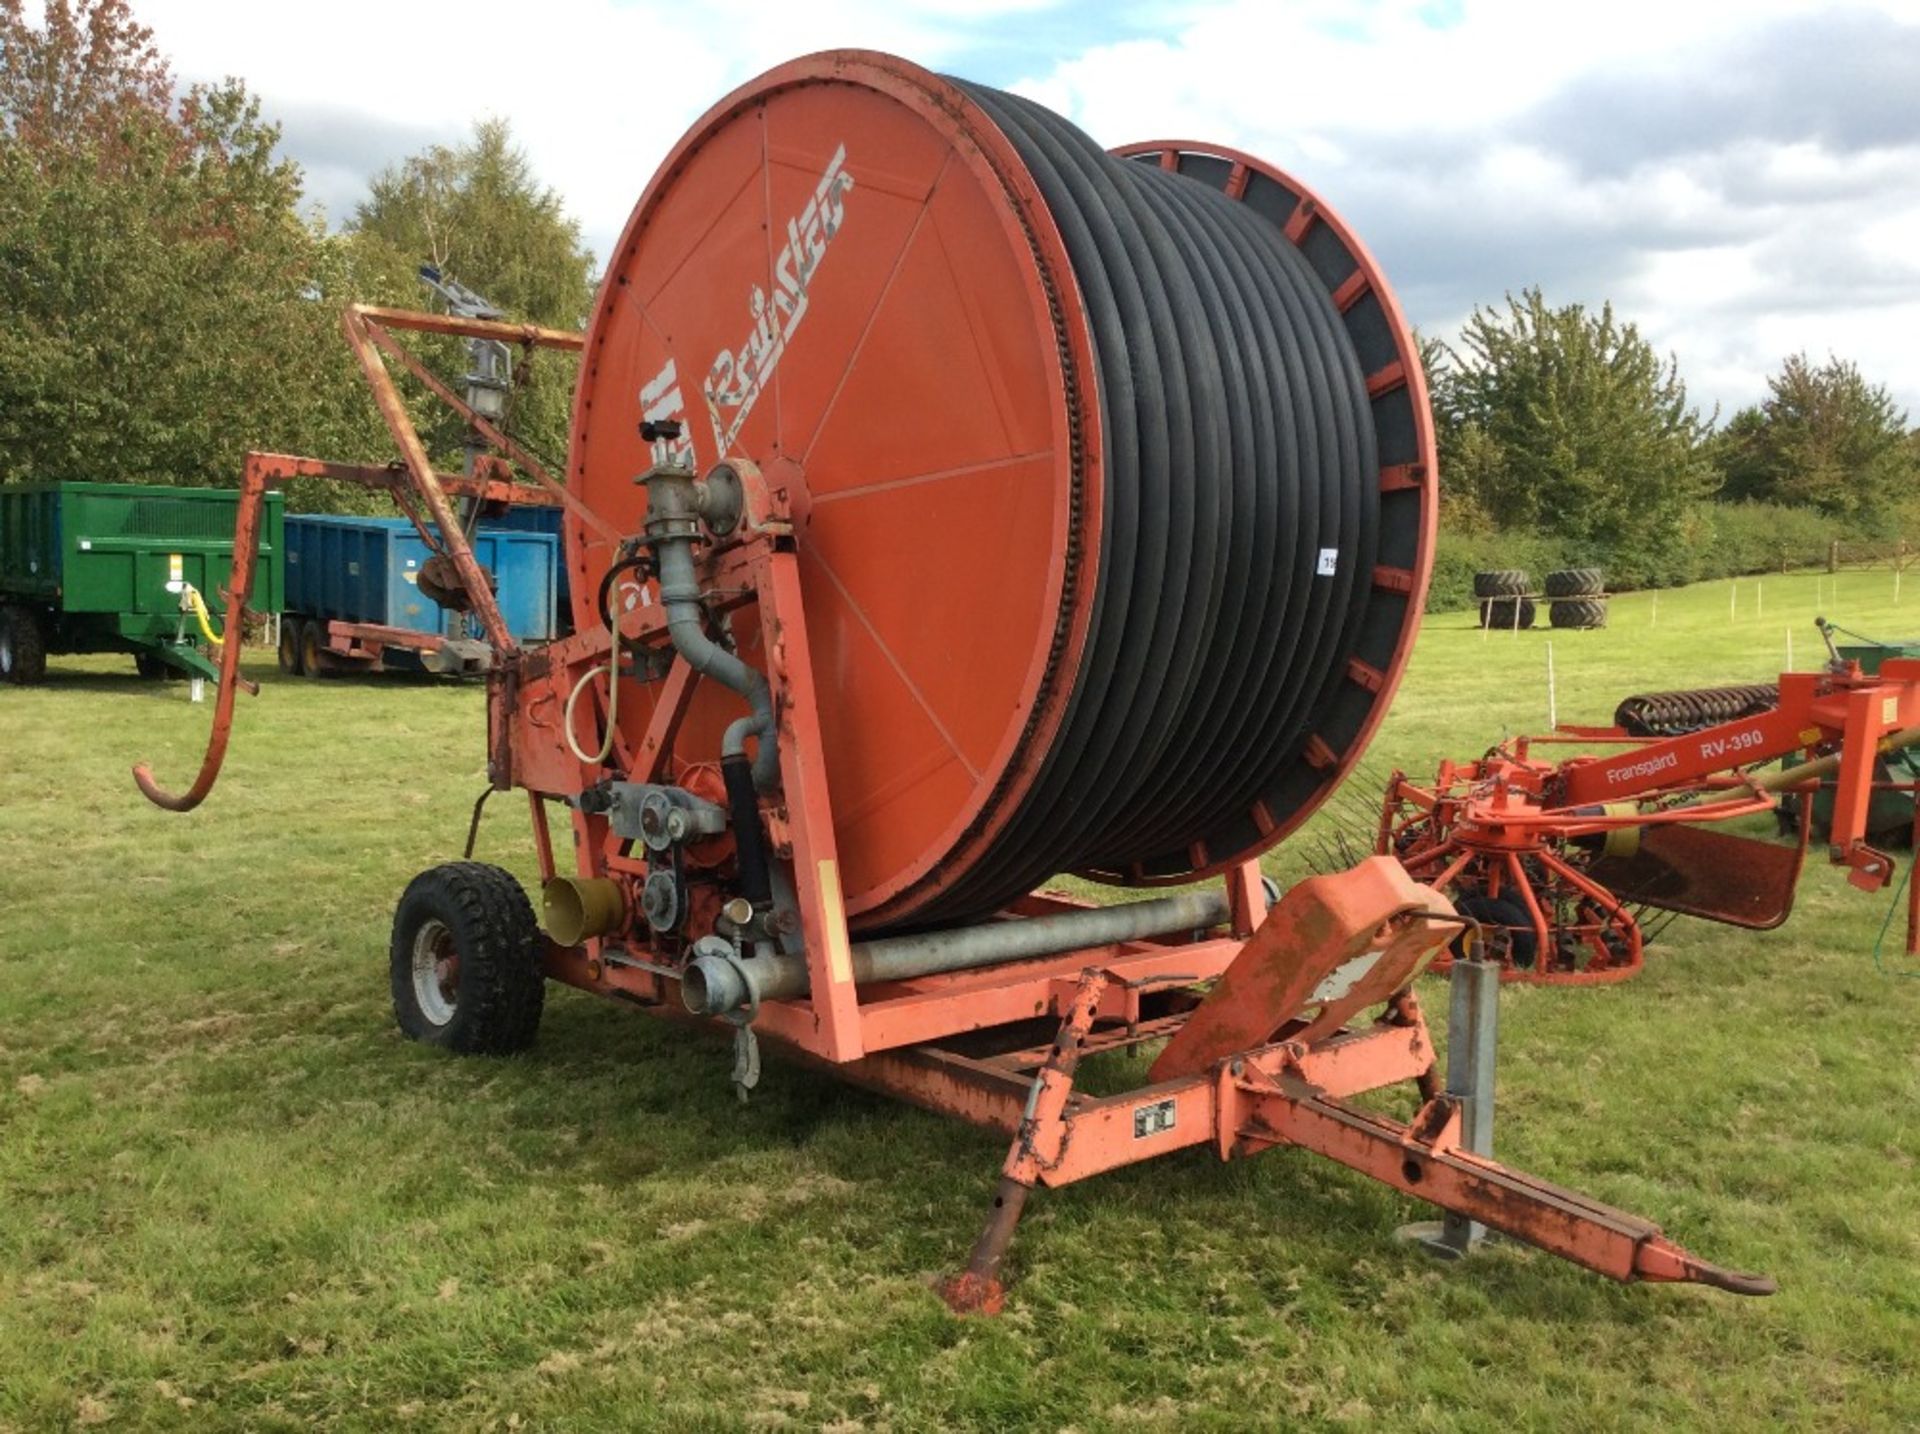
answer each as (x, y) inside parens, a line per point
(1403, 1009)
(1473, 1016)
(1913, 887)
(977, 1289)
(1036, 1146)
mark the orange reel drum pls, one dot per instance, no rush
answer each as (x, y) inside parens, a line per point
(848, 274)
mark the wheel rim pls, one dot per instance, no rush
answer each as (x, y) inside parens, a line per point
(436, 972)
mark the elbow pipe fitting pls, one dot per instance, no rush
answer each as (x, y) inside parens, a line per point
(686, 627)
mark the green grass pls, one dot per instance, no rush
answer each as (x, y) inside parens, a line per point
(231, 1195)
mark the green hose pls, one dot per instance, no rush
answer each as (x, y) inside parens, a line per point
(1880, 940)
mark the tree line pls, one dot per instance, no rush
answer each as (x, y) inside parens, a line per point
(171, 304)
(170, 301)
(1563, 428)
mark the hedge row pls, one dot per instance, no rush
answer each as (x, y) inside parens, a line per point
(1716, 540)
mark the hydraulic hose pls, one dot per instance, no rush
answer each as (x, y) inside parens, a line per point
(198, 606)
(612, 669)
(743, 806)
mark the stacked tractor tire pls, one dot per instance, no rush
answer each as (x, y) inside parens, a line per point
(1506, 598)
(1576, 598)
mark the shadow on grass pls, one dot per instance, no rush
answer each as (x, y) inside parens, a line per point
(112, 684)
(266, 674)
(357, 676)
(1315, 1210)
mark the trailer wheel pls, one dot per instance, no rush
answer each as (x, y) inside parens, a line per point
(313, 643)
(292, 637)
(154, 669)
(466, 961)
(23, 649)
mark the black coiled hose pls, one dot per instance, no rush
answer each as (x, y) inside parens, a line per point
(1241, 490)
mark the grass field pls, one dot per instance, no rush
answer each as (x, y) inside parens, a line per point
(232, 1196)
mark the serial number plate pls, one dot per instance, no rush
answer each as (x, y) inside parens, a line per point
(1155, 1119)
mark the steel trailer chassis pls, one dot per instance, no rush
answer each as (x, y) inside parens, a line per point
(1260, 1063)
(364, 646)
(1267, 1058)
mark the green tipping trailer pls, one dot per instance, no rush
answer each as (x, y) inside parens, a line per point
(1890, 809)
(100, 567)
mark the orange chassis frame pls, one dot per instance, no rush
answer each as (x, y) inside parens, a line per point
(997, 1046)
(1269, 1060)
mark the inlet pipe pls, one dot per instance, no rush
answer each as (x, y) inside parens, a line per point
(687, 627)
(717, 981)
(677, 506)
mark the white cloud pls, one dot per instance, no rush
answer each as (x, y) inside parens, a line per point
(1703, 165)
(597, 92)
(1737, 177)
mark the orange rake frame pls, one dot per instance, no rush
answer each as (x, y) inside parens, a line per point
(1572, 844)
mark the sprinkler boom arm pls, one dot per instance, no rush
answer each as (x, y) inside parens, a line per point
(412, 483)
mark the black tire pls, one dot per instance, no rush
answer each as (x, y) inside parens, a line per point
(154, 668)
(1499, 613)
(23, 648)
(1578, 613)
(1575, 582)
(313, 648)
(1496, 915)
(1503, 582)
(465, 961)
(292, 660)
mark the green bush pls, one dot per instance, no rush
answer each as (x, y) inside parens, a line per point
(1462, 554)
(1711, 540)
(1735, 539)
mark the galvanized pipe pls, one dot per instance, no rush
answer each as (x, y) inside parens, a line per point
(714, 984)
(687, 627)
(1821, 767)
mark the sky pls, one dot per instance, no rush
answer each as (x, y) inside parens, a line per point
(1740, 180)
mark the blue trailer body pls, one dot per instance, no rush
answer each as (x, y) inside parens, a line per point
(367, 570)
(528, 519)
